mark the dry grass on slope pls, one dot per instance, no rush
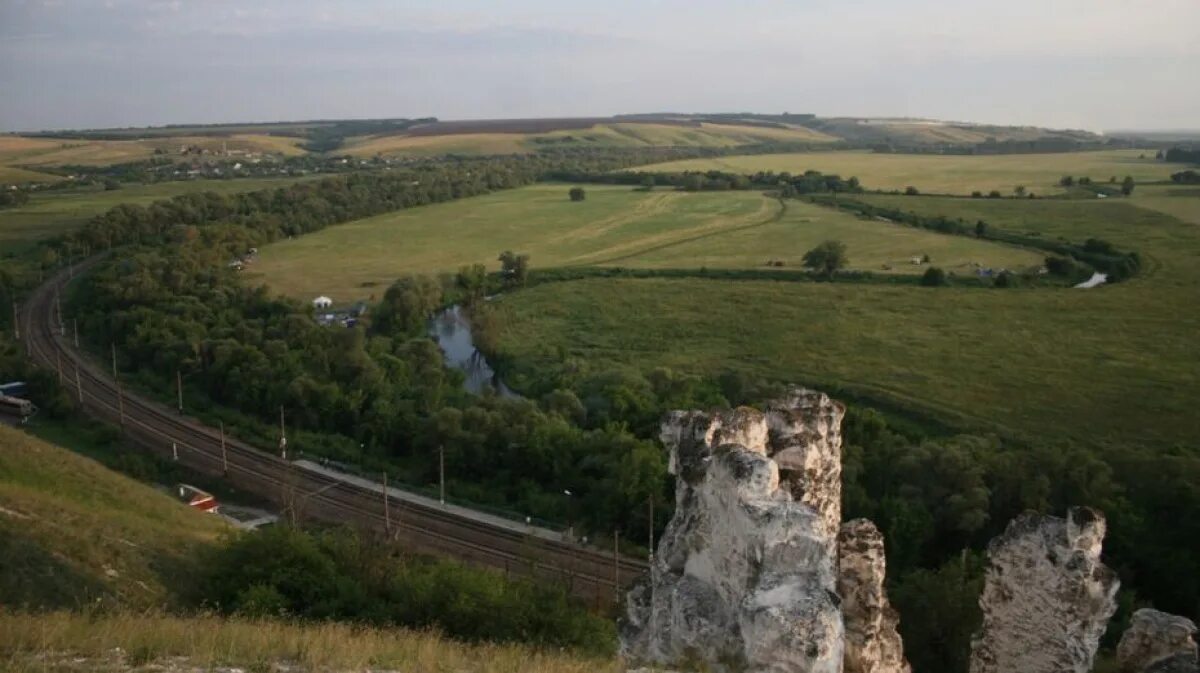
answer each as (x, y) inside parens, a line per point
(64, 641)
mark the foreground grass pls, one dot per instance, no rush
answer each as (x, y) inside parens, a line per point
(51, 213)
(74, 533)
(41, 642)
(948, 174)
(614, 226)
(1117, 363)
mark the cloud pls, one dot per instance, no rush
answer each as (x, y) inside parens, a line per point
(1066, 63)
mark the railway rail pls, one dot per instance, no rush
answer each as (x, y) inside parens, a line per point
(596, 575)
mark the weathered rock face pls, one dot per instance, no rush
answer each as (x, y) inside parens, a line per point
(745, 576)
(872, 643)
(1047, 596)
(1155, 637)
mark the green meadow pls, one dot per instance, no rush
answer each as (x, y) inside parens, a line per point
(614, 226)
(948, 174)
(1118, 363)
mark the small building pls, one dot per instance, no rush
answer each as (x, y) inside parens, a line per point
(322, 302)
(194, 497)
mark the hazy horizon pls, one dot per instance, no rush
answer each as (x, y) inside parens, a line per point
(1101, 65)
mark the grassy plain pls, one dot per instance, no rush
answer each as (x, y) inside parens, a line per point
(62, 642)
(615, 226)
(50, 213)
(1118, 363)
(73, 532)
(947, 174)
(600, 135)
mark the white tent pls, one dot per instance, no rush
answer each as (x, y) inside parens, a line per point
(322, 302)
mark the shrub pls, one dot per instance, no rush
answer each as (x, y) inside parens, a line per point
(933, 277)
(577, 194)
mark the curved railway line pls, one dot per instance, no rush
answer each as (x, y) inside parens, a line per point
(596, 575)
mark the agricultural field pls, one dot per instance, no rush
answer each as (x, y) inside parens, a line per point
(1181, 201)
(18, 152)
(1118, 363)
(54, 212)
(948, 174)
(614, 226)
(72, 531)
(600, 135)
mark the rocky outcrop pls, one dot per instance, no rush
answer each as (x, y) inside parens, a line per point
(745, 577)
(1157, 639)
(1047, 597)
(872, 643)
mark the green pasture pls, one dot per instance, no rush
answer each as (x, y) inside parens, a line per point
(54, 212)
(948, 174)
(614, 226)
(1118, 363)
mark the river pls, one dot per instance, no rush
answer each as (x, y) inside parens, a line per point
(452, 331)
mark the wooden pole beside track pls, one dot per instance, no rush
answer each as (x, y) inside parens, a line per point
(616, 566)
(58, 365)
(282, 435)
(224, 451)
(120, 392)
(78, 384)
(179, 389)
(442, 474)
(16, 322)
(387, 515)
(651, 500)
(75, 327)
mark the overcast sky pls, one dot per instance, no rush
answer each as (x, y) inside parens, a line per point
(1093, 64)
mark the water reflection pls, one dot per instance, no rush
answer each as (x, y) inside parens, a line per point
(452, 331)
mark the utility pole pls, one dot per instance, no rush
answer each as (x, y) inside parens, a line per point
(282, 435)
(387, 516)
(174, 451)
(62, 329)
(78, 384)
(179, 389)
(75, 326)
(58, 363)
(120, 393)
(442, 473)
(651, 501)
(16, 322)
(616, 565)
(224, 452)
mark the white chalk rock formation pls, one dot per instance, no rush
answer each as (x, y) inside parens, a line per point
(1155, 637)
(1047, 597)
(745, 576)
(872, 643)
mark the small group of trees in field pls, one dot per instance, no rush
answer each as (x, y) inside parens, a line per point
(577, 194)
(827, 258)
(1127, 184)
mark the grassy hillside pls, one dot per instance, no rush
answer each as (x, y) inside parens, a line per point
(641, 134)
(613, 226)
(68, 642)
(54, 212)
(1115, 363)
(73, 533)
(947, 174)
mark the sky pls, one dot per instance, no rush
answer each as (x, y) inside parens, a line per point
(1087, 64)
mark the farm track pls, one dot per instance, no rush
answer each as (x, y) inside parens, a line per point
(597, 576)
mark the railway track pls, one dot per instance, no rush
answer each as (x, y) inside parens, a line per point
(598, 576)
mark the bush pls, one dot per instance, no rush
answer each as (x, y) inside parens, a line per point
(339, 575)
(577, 194)
(911, 191)
(933, 277)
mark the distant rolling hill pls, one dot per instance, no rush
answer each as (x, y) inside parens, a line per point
(31, 157)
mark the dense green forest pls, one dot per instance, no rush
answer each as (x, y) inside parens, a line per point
(378, 394)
